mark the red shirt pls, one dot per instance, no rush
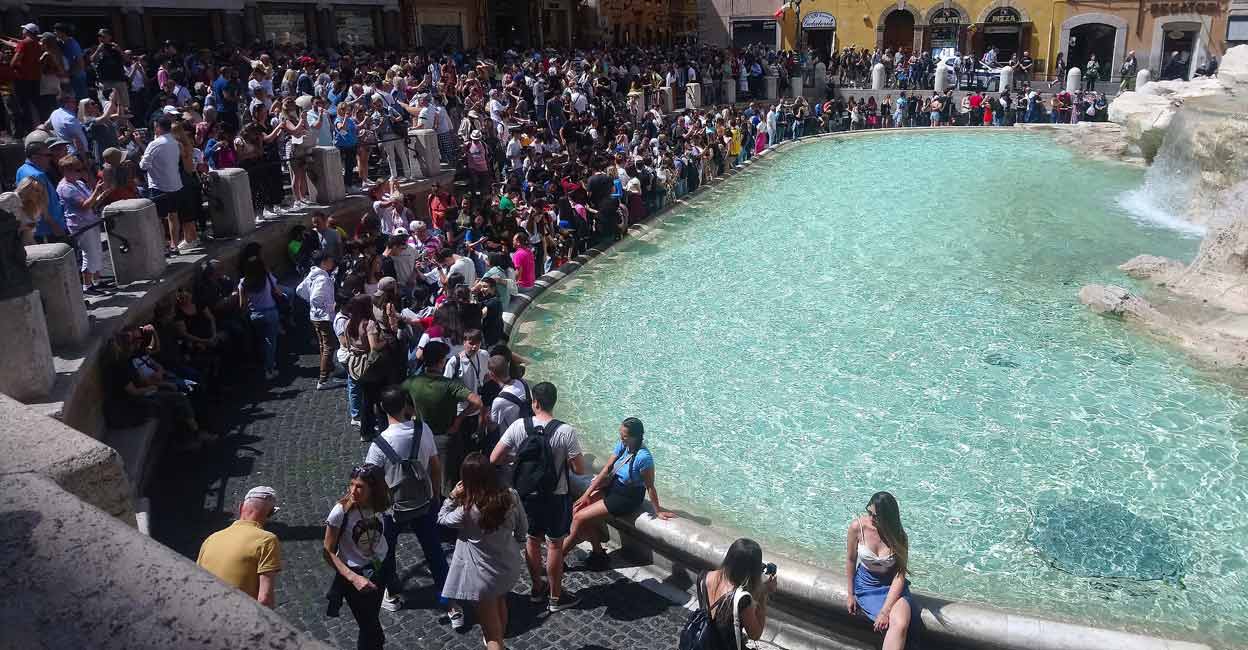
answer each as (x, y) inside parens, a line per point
(438, 203)
(26, 66)
(976, 101)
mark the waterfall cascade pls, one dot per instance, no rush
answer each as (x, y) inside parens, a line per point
(1195, 135)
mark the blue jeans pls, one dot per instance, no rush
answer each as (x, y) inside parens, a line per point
(353, 398)
(265, 322)
(425, 528)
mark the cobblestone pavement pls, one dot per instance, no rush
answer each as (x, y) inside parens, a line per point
(296, 439)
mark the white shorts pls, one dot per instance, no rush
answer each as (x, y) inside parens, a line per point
(92, 251)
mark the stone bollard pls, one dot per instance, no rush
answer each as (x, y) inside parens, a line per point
(693, 95)
(770, 86)
(230, 205)
(26, 369)
(821, 80)
(877, 77)
(138, 229)
(1006, 79)
(941, 82)
(796, 84)
(1142, 78)
(55, 271)
(669, 99)
(426, 142)
(1074, 80)
(730, 91)
(327, 170)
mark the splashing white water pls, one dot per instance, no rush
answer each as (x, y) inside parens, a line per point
(1142, 205)
(1169, 186)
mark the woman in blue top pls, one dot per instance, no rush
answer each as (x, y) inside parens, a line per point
(876, 564)
(618, 489)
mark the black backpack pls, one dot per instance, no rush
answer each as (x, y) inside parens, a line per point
(525, 403)
(700, 632)
(413, 496)
(535, 472)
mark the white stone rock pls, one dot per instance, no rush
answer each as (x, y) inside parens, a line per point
(1144, 118)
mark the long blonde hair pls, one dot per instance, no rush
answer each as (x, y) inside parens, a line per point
(34, 197)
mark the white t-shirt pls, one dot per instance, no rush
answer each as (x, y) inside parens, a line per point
(503, 412)
(563, 443)
(400, 436)
(361, 541)
(465, 268)
(469, 370)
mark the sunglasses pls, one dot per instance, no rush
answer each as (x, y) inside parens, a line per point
(364, 470)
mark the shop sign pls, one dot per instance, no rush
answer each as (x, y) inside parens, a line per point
(1004, 16)
(1172, 8)
(819, 20)
(946, 16)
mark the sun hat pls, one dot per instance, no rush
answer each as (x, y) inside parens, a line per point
(476, 134)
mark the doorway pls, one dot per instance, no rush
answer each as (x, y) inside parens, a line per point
(820, 40)
(1178, 45)
(899, 31)
(1087, 40)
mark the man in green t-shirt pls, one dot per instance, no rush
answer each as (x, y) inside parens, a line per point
(436, 399)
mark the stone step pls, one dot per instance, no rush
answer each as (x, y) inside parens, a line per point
(138, 449)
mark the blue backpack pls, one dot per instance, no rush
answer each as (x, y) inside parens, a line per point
(699, 632)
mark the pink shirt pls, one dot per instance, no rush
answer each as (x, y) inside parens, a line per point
(522, 258)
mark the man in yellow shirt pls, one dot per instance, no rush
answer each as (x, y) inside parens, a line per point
(246, 555)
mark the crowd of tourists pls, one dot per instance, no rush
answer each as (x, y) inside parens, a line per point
(553, 152)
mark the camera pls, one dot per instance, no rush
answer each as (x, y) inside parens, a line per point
(769, 569)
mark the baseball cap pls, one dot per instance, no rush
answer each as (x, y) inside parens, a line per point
(386, 283)
(56, 142)
(31, 28)
(262, 492)
(36, 146)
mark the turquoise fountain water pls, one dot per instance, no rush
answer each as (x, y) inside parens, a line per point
(899, 313)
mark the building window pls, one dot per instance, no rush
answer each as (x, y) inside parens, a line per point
(1236, 30)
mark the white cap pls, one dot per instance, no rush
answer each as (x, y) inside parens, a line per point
(262, 492)
(30, 27)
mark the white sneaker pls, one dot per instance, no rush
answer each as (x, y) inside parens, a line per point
(185, 246)
(330, 383)
(457, 619)
(392, 603)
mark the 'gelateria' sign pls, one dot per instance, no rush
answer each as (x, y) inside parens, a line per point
(819, 20)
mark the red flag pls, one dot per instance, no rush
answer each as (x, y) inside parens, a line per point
(780, 11)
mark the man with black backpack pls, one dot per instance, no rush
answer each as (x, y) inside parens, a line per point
(513, 400)
(409, 457)
(543, 450)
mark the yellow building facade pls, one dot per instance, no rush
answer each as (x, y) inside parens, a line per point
(1013, 26)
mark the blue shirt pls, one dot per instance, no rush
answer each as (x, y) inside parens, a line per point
(72, 51)
(348, 135)
(624, 475)
(55, 210)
